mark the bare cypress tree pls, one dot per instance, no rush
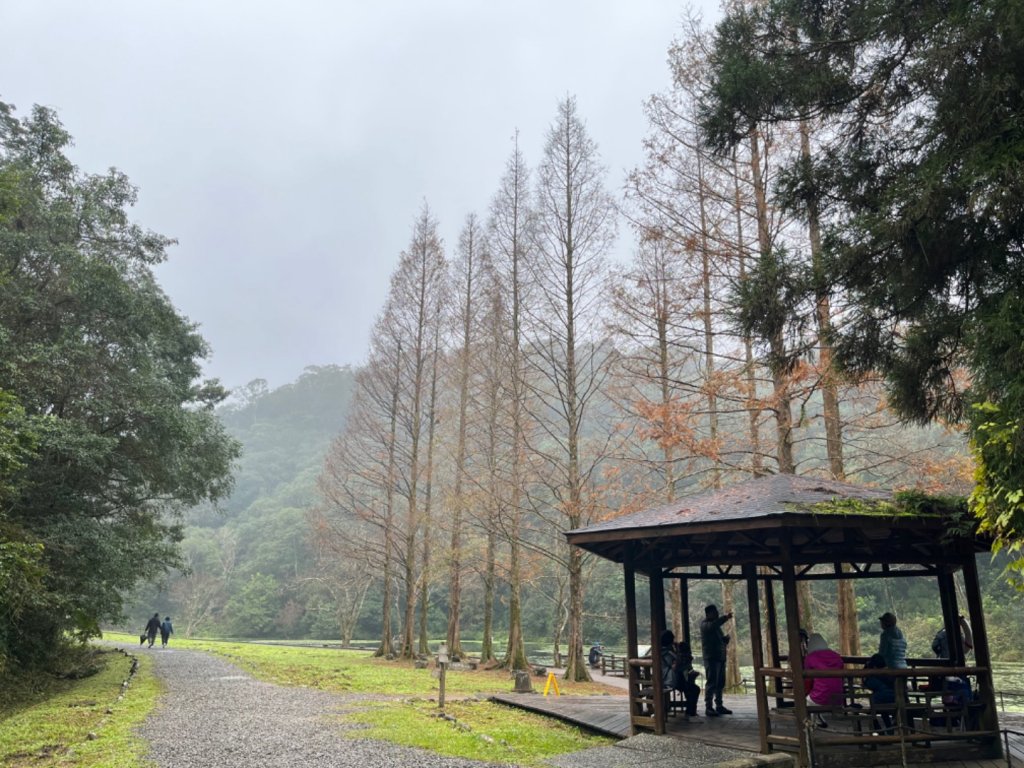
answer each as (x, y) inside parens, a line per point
(493, 393)
(428, 496)
(509, 227)
(358, 480)
(466, 281)
(416, 289)
(575, 228)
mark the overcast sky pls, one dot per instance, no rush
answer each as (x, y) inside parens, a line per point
(288, 146)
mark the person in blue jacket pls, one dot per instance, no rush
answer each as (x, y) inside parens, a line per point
(892, 645)
(166, 630)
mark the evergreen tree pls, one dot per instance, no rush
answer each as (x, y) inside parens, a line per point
(925, 236)
(107, 374)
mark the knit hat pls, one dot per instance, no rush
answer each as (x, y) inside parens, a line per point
(816, 643)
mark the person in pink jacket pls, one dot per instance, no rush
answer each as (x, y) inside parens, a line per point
(824, 691)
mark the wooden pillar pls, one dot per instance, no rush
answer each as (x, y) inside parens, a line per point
(773, 632)
(796, 662)
(989, 720)
(631, 644)
(684, 609)
(947, 599)
(754, 614)
(657, 592)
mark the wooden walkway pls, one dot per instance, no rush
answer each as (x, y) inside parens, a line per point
(610, 715)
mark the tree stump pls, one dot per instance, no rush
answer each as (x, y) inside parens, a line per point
(523, 684)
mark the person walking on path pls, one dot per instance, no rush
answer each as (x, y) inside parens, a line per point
(152, 627)
(714, 643)
(166, 630)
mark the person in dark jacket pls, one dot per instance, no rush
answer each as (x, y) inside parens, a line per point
(714, 643)
(152, 627)
(677, 670)
(883, 691)
(166, 630)
(940, 645)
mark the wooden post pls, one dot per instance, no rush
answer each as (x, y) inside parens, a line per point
(950, 614)
(796, 662)
(657, 592)
(684, 608)
(754, 613)
(631, 644)
(773, 633)
(989, 720)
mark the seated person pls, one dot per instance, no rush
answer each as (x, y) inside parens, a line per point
(883, 689)
(956, 694)
(677, 672)
(824, 691)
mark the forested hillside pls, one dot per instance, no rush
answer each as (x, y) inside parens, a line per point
(251, 564)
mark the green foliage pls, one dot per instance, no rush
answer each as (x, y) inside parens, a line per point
(998, 496)
(923, 109)
(251, 612)
(764, 306)
(117, 436)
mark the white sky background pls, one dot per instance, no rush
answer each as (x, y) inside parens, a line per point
(288, 146)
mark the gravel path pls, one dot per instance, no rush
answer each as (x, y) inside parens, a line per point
(214, 715)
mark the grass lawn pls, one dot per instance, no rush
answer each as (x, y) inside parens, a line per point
(46, 721)
(481, 731)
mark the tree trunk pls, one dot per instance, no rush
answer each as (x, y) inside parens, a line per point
(753, 409)
(487, 645)
(782, 404)
(709, 332)
(732, 663)
(428, 498)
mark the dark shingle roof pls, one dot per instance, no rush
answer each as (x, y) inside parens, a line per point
(772, 520)
(759, 498)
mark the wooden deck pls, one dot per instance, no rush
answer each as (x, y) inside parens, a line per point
(609, 715)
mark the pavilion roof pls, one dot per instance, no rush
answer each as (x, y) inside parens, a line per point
(777, 519)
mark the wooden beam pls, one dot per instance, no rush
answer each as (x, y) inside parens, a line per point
(684, 609)
(754, 615)
(657, 593)
(988, 719)
(795, 660)
(947, 599)
(629, 577)
(773, 633)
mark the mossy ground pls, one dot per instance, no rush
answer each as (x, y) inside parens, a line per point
(78, 721)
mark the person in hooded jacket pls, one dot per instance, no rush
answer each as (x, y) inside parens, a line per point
(166, 630)
(824, 691)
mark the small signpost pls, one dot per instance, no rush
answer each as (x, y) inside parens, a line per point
(551, 682)
(442, 663)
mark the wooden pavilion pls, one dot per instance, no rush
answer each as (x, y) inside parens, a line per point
(777, 531)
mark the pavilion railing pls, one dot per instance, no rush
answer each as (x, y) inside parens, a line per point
(930, 710)
(641, 695)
